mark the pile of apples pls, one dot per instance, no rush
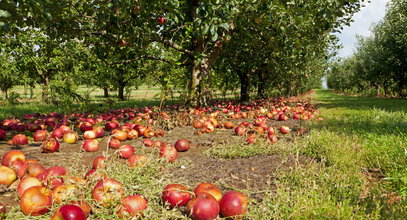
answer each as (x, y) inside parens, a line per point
(206, 202)
(39, 188)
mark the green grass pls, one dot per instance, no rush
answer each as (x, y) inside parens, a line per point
(360, 138)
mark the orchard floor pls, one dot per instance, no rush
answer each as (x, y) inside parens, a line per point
(254, 172)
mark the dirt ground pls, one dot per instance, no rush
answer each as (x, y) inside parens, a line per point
(245, 173)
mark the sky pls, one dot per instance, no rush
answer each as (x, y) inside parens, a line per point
(363, 20)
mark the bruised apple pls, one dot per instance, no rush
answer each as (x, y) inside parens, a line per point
(106, 191)
(19, 139)
(11, 156)
(137, 160)
(169, 153)
(176, 195)
(36, 200)
(99, 162)
(26, 183)
(126, 151)
(40, 135)
(132, 206)
(90, 145)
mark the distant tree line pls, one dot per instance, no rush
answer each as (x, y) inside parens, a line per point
(379, 66)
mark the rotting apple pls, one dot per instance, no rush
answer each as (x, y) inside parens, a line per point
(132, 206)
(36, 200)
(50, 145)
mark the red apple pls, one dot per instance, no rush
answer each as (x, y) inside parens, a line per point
(233, 203)
(203, 207)
(111, 126)
(99, 131)
(34, 169)
(126, 151)
(169, 153)
(85, 126)
(106, 191)
(284, 129)
(148, 142)
(69, 212)
(132, 206)
(176, 195)
(90, 145)
(182, 145)
(20, 167)
(240, 130)
(19, 139)
(58, 133)
(53, 176)
(36, 200)
(50, 145)
(26, 183)
(3, 134)
(65, 129)
(161, 20)
(114, 143)
(40, 135)
(270, 130)
(99, 162)
(83, 205)
(7, 176)
(11, 156)
(137, 160)
(209, 188)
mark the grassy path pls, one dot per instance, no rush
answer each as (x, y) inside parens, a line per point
(359, 168)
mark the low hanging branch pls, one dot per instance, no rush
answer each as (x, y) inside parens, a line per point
(139, 58)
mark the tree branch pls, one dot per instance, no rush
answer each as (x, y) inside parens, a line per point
(175, 46)
(139, 58)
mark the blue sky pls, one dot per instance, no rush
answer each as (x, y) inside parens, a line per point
(363, 20)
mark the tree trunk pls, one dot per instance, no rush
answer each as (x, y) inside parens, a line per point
(261, 84)
(106, 92)
(244, 86)
(120, 92)
(45, 90)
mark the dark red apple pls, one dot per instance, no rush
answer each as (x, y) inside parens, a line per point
(176, 195)
(85, 126)
(111, 126)
(58, 133)
(69, 212)
(99, 131)
(203, 207)
(3, 134)
(182, 145)
(161, 20)
(233, 203)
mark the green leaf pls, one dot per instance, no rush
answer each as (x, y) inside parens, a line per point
(5, 14)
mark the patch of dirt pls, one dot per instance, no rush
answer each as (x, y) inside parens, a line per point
(254, 173)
